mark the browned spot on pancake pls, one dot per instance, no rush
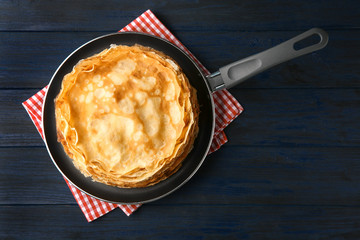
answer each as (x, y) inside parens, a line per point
(137, 74)
(119, 94)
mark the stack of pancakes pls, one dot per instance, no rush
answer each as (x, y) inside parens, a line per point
(127, 116)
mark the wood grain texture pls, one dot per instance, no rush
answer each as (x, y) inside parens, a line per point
(16, 127)
(233, 175)
(184, 222)
(186, 15)
(31, 58)
(290, 169)
(297, 117)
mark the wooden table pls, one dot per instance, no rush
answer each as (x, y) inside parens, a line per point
(291, 168)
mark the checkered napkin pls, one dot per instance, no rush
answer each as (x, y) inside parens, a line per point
(226, 110)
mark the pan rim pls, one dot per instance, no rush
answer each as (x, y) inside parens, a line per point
(193, 171)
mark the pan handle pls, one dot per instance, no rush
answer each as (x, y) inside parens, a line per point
(239, 71)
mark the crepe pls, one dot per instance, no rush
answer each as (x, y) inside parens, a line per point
(127, 116)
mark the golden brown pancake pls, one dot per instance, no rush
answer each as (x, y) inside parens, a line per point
(127, 116)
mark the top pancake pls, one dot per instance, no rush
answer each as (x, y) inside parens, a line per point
(127, 116)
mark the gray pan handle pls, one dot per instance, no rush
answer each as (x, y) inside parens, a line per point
(237, 72)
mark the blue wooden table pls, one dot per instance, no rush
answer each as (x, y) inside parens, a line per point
(291, 168)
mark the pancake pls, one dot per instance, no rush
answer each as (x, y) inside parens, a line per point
(127, 116)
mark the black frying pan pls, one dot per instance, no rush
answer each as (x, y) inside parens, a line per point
(226, 77)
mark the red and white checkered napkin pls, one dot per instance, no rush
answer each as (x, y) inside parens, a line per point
(226, 109)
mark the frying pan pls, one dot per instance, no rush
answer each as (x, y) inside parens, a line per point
(226, 77)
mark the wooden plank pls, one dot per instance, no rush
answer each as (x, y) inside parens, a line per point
(29, 177)
(290, 169)
(297, 117)
(180, 15)
(232, 175)
(16, 127)
(272, 117)
(30, 58)
(197, 222)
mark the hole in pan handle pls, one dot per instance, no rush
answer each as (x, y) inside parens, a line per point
(239, 71)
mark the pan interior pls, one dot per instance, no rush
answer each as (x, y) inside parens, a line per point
(132, 195)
